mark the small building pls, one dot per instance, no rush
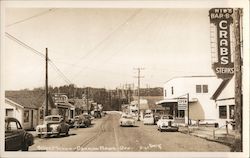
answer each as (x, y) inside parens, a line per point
(80, 105)
(198, 90)
(63, 107)
(25, 113)
(225, 102)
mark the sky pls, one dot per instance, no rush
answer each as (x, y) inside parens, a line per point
(101, 47)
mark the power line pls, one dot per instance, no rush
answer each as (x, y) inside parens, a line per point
(109, 36)
(40, 54)
(129, 42)
(29, 18)
(24, 44)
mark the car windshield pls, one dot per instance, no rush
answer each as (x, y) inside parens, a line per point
(167, 117)
(52, 119)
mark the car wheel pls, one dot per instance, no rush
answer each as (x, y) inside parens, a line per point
(160, 130)
(67, 133)
(39, 135)
(25, 146)
(58, 134)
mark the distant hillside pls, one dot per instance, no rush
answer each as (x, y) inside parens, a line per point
(157, 91)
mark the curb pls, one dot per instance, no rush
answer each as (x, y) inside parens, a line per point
(212, 140)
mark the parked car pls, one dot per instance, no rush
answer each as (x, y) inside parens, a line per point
(82, 121)
(148, 119)
(16, 138)
(89, 116)
(127, 120)
(166, 123)
(53, 125)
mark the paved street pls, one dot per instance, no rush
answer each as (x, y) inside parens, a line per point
(106, 135)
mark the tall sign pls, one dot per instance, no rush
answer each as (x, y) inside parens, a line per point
(222, 18)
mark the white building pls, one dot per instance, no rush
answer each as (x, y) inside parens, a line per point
(26, 115)
(225, 102)
(199, 90)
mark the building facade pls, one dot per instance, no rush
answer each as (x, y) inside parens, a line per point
(198, 90)
(225, 102)
(26, 115)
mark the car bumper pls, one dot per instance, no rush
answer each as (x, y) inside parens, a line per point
(169, 128)
(47, 133)
(127, 124)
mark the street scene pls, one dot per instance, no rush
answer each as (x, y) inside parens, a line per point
(105, 134)
(123, 80)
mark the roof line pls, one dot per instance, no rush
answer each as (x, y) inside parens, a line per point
(189, 77)
(12, 102)
(221, 87)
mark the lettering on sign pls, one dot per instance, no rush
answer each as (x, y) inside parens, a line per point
(182, 103)
(222, 19)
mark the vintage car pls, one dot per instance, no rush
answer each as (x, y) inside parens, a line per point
(127, 120)
(53, 125)
(16, 138)
(148, 119)
(83, 120)
(89, 116)
(166, 123)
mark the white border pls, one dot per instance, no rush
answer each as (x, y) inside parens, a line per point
(136, 4)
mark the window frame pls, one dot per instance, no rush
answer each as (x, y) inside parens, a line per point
(198, 87)
(221, 112)
(203, 89)
(230, 112)
(26, 117)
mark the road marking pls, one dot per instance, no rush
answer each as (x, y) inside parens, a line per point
(116, 141)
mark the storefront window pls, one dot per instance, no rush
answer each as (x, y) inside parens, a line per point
(231, 111)
(223, 112)
(26, 116)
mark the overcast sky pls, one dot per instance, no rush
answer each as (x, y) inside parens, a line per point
(101, 47)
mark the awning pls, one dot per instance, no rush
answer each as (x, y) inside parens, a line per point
(191, 100)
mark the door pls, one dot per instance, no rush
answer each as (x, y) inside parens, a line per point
(32, 119)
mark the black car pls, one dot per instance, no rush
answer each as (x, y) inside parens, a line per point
(16, 138)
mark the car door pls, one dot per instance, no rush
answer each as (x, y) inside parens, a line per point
(13, 136)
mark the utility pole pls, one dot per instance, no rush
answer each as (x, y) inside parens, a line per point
(46, 84)
(139, 80)
(87, 95)
(238, 81)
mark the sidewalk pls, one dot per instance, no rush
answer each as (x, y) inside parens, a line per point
(220, 135)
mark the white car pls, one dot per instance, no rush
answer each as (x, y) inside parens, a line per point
(52, 125)
(127, 120)
(148, 119)
(166, 123)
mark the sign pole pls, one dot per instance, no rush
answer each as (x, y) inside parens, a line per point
(188, 107)
(46, 83)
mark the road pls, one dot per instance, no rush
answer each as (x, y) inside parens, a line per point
(106, 135)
